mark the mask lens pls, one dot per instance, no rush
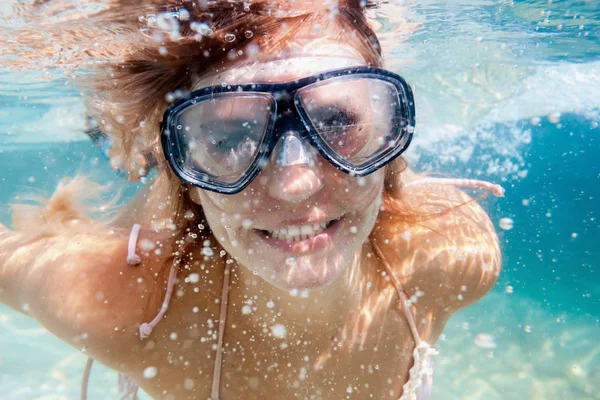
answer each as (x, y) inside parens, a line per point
(358, 119)
(221, 136)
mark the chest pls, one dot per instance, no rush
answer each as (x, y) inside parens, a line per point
(271, 352)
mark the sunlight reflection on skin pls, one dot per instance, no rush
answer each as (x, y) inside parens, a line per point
(421, 257)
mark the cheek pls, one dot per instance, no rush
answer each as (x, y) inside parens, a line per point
(229, 210)
(364, 190)
(220, 203)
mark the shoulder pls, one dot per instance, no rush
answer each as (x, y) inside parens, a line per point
(86, 293)
(441, 244)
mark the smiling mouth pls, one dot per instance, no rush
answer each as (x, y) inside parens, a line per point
(299, 233)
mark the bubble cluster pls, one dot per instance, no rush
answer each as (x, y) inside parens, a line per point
(279, 331)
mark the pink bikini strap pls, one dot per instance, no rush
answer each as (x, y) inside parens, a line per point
(132, 258)
(86, 378)
(403, 298)
(128, 387)
(214, 395)
(497, 190)
(146, 327)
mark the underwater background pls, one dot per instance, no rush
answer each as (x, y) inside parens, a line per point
(506, 91)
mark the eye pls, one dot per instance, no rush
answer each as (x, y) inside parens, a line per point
(225, 136)
(337, 118)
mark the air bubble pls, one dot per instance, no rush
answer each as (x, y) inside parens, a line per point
(554, 117)
(252, 50)
(149, 372)
(246, 310)
(485, 341)
(188, 384)
(279, 331)
(184, 14)
(202, 28)
(248, 34)
(229, 37)
(247, 224)
(506, 223)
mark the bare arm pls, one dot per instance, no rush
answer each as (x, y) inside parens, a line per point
(447, 260)
(79, 286)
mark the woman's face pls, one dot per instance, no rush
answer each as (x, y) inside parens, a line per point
(297, 225)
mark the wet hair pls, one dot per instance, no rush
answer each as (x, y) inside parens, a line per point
(128, 97)
(179, 42)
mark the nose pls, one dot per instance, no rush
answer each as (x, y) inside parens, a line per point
(294, 174)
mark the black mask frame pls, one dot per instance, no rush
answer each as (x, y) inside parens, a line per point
(286, 112)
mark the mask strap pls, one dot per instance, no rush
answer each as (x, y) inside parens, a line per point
(496, 190)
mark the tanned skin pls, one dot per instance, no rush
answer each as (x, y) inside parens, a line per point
(87, 295)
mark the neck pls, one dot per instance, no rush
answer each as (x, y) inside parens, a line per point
(323, 304)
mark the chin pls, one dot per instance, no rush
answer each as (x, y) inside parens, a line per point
(304, 274)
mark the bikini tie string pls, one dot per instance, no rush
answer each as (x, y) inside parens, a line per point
(147, 327)
(132, 258)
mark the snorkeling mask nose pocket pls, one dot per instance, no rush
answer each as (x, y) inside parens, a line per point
(291, 149)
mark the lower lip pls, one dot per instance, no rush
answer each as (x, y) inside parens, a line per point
(317, 242)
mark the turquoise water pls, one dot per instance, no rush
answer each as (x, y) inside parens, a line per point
(507, 93)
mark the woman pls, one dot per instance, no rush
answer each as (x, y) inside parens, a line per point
(297, 256)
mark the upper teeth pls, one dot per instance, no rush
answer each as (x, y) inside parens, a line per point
(297, 233)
